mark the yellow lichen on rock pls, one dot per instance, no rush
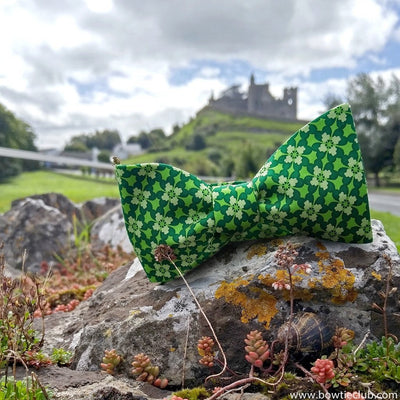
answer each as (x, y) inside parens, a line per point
(254, 301)
(260, 249)
(335, 277)
(376, 275)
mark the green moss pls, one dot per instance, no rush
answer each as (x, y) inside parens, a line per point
(193, 394)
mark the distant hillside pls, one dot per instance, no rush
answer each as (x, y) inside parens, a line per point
(220, 144)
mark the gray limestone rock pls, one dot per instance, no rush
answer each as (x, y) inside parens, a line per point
(34, 228)
(110, 230)
(43, 227)
(131, 315)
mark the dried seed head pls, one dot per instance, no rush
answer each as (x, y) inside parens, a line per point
(164, 252)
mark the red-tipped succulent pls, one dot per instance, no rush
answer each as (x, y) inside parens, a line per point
(146, 372)
(205, 347)
(323, 370)
(257, 349)
(111, 360)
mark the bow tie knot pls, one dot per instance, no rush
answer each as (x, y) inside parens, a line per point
(235, 208)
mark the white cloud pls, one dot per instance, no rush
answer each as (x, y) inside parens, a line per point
(82, 65)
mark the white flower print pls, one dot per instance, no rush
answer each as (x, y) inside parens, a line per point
(329, 144)
(162, 223)
(264, 169)
(276, 215)
(134, 226)
(212, 247)
(305, 128)
(204, 193)
(194, 216)
(162, 270)
(211, 226)
(235, 208)
(294, 154)
(286, 186)
(355, 169)
(339, 113)
(345, 203)
(320, 178)
(171, 194)
(310, 210)
(140, 197)
(187, 241)
(267, 231)
(365, 228)
(188, 259)
(332, 232)
(148, 170)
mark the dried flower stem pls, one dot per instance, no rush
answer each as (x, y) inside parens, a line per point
(185, 353)
(241, 382)
(386, 296)
(205, 317)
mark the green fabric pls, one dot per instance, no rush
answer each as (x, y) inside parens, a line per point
(314, 184)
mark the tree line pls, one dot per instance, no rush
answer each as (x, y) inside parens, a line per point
(375, 104)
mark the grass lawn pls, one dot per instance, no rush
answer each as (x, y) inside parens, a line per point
(391, 223)
(76, 188)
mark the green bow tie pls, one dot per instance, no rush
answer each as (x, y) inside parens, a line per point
(314, 184)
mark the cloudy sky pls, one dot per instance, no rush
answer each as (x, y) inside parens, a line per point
(73, 66)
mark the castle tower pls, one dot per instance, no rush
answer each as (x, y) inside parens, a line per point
(258, 97)
(290, 102)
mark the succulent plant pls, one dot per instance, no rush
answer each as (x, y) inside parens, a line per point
(111, 360)
(257, 349)
(147, 372)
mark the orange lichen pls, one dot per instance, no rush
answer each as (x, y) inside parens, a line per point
(258, 249)
(254, 302)
(335, 277)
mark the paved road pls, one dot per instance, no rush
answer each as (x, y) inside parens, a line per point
(384, 202)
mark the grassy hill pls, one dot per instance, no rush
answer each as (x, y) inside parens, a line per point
(221, 144)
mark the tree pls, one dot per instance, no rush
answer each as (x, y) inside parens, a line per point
(144, 140)
(332, 100)
(249, 162)
(103, 140)
(196, 142)
(15, 134)
(375, 105)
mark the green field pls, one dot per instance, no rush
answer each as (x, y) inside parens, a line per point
(76, 188)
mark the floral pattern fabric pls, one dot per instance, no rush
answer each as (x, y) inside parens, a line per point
(314, 184)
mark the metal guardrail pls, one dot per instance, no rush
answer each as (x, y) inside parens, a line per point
(32, 155)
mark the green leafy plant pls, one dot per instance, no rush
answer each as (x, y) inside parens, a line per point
(19, 298)
(26, 389)
(60, 356)
(381, 360)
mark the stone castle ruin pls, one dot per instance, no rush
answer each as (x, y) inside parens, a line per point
(258, 101)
